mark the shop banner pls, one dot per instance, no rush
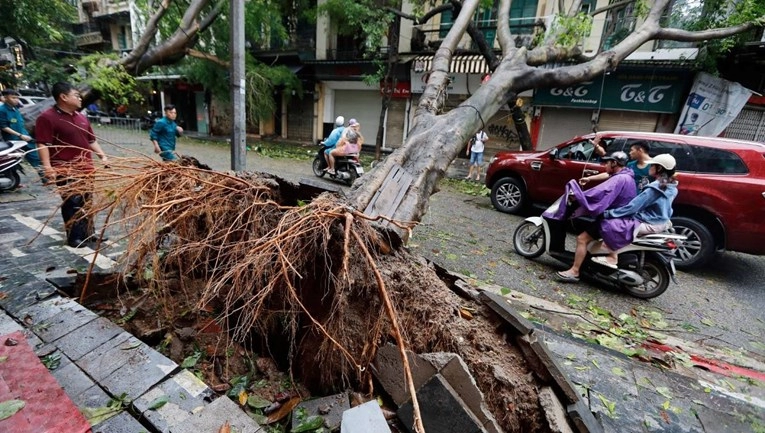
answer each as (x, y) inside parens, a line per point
(712, 104)
(652, 91)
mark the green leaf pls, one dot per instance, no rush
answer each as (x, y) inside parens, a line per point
(3, 359)
(707, 322)
(131, 346)
(665, 405)
(52, 361)
(610, 405)
(158, 402)
(618, 371)
(257, 402)
(664, 391)
(595, 363)
(191, 361)
(99, 414)
(10, 407)
(504, 291)
(310, 423)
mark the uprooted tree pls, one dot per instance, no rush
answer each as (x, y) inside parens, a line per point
(323, 279)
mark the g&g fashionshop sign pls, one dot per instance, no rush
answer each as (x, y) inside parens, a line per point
(650, 91)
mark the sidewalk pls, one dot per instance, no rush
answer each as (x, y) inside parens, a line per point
(99, 362)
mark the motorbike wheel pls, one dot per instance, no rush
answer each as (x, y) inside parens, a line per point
(15, 180)
(318, 167)
(354, 176)
(655, 280)
(529, 240)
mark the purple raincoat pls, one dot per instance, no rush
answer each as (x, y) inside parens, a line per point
(615, 192)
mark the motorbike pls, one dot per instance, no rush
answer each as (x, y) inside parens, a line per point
(11, 155)
(347, 168)
(645, 266)
(149, 119)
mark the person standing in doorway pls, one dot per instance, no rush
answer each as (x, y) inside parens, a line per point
(12, 126)
(475, 150)
(164, 132)
(65, 142)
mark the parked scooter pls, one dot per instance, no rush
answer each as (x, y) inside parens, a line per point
(644, 269)
(149, 119)
(347, 168)
(11, 155)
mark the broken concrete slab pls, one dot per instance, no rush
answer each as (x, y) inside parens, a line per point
(214, 415)
(544, 365)
(185, 395)
(389, 371)
(331, 408)
(108, 357)
(364, 418)
(583, 419)
(442, 410)
(20, 296)
(458, 375)
(555, 413)
(499, 305)
(143, 369)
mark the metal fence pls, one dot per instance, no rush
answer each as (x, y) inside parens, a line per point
(118, 130)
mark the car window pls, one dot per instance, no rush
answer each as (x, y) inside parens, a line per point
(683, 156)
(711, 160)
(582, 150)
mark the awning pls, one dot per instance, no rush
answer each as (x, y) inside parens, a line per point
(470, 64)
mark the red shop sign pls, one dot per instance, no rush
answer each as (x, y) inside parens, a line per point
(403, 89)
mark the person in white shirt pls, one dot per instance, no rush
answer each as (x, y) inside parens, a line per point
(475, 150)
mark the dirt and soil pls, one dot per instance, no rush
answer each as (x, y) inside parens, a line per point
(234, 270)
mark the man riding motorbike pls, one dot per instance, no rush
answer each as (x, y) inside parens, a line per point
(615, 192)
(334, 137)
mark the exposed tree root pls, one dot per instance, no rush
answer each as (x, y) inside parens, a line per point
(319, 278)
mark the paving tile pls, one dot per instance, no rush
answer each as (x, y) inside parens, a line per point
(72, 379)
(185, 394)
(45, 309)
(105, 359)
(7, 324)
(364, 418)
(214, 415)
(93, 397)
(20, 296)
(122, 423)
(144, 368)
(84, 339)
(63, 323)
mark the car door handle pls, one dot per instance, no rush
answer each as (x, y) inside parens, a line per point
(590, 172)
(536, 165)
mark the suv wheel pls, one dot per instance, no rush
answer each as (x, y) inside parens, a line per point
(508, 195)
(698, 249)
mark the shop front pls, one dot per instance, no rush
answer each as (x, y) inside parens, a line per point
(636, 99)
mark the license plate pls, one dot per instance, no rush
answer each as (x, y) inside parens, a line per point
(360, 170)
(672, 265)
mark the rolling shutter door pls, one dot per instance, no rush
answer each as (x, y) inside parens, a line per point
(562, 124)
(611, 120)
(748, 125)
(362, 105)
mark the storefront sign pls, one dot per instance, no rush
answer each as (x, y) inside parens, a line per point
(89, 39)
(650, 91)
(402, 90)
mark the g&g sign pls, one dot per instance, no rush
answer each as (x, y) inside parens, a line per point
(652, 91)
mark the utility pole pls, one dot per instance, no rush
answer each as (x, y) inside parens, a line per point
(238, 134)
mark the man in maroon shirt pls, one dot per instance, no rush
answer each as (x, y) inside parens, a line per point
(65, 142)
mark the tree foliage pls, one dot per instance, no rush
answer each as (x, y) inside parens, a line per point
(37, 22)
(115, 85)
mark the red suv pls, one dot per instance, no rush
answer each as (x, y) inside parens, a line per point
(721, 199)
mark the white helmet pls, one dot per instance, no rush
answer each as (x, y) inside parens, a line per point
(665, 160)
(340, 121)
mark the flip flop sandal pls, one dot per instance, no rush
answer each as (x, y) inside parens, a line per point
(566, 278)
(601, 260)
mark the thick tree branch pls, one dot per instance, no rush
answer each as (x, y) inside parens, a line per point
(689, 36)
(574, 8)
(504, 34)
(152, 27)
(207, 56)
(212, 16)
(423, 19)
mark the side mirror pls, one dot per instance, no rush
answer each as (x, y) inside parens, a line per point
(554, 153)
